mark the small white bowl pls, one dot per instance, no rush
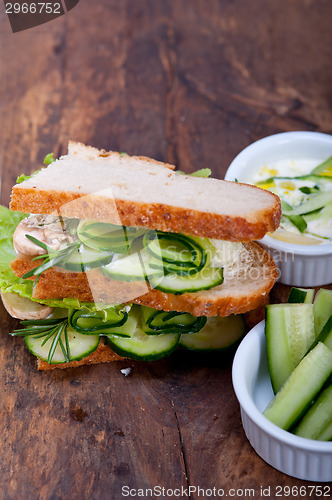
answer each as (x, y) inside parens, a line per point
(299, 265)
(296, 456)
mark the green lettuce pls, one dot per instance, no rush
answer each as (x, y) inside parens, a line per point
(47, 161)
(203, 172)
(11, 283)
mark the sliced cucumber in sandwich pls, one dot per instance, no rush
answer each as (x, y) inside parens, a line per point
(207, 278)
(218, 334)
(160, 322)
(133, 267)
(78, 346)
(102, 236)
(83, 259)
(141, 346)
(97, 322)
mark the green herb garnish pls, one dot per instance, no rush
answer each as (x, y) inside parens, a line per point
(52, 258)
(47, 328)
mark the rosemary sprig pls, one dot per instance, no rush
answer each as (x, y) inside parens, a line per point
(47, 328)
(51, 258)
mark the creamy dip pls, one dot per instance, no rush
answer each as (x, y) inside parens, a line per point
(318, 224)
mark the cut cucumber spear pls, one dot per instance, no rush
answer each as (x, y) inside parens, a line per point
(318, 417)
(301, 296)
(301, 387)
(326, 434)
(322, 309)
(289, 333)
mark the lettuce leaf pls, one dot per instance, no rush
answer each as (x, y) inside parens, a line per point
(11, 283)
(203, 172)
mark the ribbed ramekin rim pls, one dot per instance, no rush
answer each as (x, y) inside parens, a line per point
(305, 250)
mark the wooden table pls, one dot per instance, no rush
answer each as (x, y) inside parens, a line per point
(190, 82)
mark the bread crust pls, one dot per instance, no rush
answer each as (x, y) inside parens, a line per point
(148, 215)
(77, 203)
(103, 354)
(83, 151)
(246, 291)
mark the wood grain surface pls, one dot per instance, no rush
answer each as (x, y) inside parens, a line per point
(191, 82)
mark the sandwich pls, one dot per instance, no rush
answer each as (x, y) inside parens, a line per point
(111, 256)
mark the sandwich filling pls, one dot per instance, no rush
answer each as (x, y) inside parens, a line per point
(64, 331)
(172, 263)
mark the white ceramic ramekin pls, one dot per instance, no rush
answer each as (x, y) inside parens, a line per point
(299, 265)
(298, 457)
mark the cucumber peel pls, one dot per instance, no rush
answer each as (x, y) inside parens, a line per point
(301, 387)
(289, 331)
(301, 296)
(318, 417)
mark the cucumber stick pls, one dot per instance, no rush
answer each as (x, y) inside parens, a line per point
(301, 387)
(218, 334)
(325, 335)
(289, 333)
(318, 417)
(326, 433)
(301, 296)
(322, 309)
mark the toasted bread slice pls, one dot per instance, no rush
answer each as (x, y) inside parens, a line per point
(140, 192)
(89, 152)
(246, 285)
(103, 354)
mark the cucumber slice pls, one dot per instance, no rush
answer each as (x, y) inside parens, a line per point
(127, 330)
(297, 220)
(174, 253)
(301, 295)
(218, 334)
(301, 387)
(84, 258)
(161, 322)
(322, 309)
(97, 322)
(313, 215)
(144, 347)
(80, 346)
(313, 203)
(133, 267)
(207, 278)
(172, 248)
(289, 331)
(324, 167)
(317, 417)
(106, 237)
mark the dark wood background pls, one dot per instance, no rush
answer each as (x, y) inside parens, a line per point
(186, 81)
